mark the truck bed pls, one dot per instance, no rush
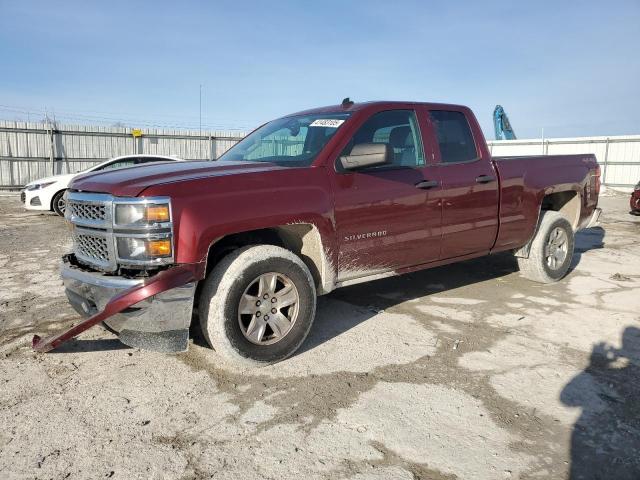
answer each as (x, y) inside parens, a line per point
(526, 180)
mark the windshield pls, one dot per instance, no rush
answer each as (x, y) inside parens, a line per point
(290, 141)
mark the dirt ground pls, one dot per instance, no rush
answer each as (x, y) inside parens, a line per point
(467, 371)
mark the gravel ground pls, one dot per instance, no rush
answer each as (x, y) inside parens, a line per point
(467, 371)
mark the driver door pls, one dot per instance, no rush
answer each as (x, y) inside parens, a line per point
(387, 217)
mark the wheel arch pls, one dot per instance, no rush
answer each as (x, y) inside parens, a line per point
(54, 196)
(566, 202)
(303, 239)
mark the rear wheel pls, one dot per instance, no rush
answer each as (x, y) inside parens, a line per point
(551, 250)
(58, 203)
(257, 305)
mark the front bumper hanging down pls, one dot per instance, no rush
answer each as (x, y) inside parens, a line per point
(183, 276)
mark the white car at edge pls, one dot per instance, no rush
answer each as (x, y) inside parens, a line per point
(47, 193)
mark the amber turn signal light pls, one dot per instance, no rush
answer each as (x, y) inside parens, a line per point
(158, 213)
(159, 248)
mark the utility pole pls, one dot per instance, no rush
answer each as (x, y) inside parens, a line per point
(200, 109)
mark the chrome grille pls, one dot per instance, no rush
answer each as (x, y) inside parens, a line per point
(90, 215)
(88, 211)
(92, 247)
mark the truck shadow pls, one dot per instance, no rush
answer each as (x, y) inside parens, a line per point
(368, 299)
(605, 440)
(588, 239)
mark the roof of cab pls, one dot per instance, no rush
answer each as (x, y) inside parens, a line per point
(354, 107)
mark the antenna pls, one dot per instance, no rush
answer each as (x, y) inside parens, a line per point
(346, 102)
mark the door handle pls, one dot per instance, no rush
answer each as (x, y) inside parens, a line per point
(427, 184)
(485, 179)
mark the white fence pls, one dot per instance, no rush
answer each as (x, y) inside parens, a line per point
(619, 156)
(29, 151)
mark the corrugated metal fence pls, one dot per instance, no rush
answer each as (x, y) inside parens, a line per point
(619, 156)
(29, 151)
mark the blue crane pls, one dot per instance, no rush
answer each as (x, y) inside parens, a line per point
(502, 125)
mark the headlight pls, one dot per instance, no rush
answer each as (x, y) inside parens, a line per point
(143, 249)
(38, 186)
(142, 214)
(143, 231)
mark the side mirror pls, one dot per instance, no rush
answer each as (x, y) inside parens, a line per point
(366, 155)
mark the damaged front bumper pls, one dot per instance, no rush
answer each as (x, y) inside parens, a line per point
(152, 313)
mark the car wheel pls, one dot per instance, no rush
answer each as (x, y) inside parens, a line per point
(58, 203)
(257, 305)
(551, 250)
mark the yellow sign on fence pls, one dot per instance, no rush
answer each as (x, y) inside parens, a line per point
(136, 132)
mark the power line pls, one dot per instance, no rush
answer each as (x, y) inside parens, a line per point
(99, 114)
(110, 118)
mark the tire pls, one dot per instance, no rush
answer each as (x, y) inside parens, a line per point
(543, 265)
(58, 204)
(232, 334)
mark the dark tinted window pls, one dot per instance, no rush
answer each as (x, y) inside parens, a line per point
(398, 128)
(129, 162)
(152, 160)
(454, 136)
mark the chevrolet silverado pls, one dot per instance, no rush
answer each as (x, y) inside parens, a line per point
(305, 204)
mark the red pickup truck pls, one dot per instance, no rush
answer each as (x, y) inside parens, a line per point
(307, 203)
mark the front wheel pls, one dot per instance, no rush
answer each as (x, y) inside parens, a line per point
(58, 203)
(551, 250)
(257, 305)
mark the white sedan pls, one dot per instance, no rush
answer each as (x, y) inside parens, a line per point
(47, 193)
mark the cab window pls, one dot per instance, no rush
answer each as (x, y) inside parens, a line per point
(455, 139)
(397, 128)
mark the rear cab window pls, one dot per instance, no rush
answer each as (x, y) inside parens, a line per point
(454, 136)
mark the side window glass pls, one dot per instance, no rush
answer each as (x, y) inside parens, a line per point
(119, 164)
(399, 129)
(143, 160)
(455, 139)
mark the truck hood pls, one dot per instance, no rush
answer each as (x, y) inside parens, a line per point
(131, 182)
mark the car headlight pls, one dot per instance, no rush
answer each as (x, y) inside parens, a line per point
(142, 214)
(143, 231)
(144, 249)
(38, 186)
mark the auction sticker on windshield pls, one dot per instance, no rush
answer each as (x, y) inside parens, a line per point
(327, 122)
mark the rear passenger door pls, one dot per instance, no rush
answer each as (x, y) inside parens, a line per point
(469, 185)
